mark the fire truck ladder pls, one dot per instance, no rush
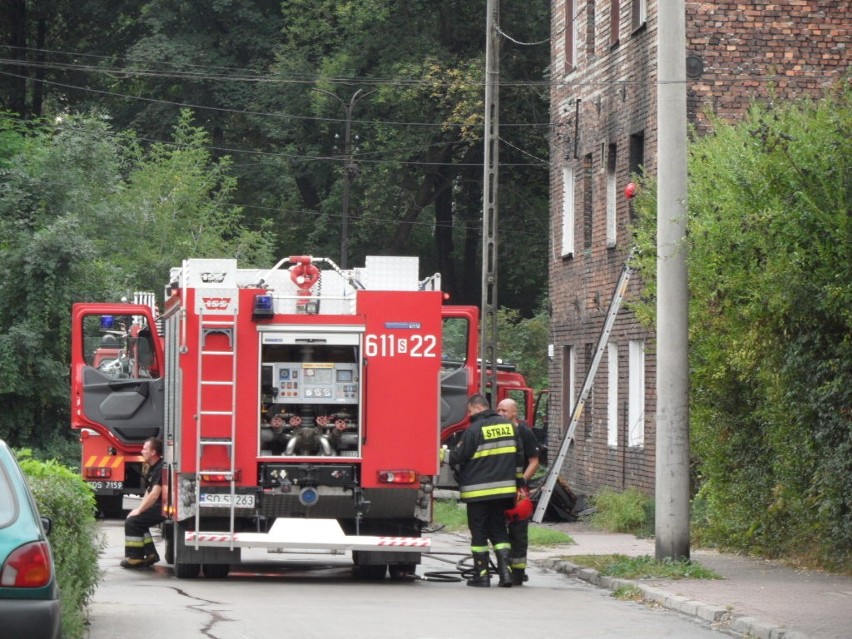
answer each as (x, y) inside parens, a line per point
(612, 313)
(209, 325)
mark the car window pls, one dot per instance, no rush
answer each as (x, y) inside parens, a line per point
(8, 503)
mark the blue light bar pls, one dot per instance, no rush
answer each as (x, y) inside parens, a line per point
(263, 307)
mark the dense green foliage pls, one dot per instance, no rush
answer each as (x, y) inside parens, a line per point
(270, 83)
(770, 259)
(75, 199)
(69, 503)
(523, 342)
(137, 134)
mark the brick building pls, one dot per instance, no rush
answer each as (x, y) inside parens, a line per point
(603, 106)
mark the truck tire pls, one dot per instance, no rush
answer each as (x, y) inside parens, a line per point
(167, 531)
(187, 571)
(371, 572)
(216, 571)
(401, 572)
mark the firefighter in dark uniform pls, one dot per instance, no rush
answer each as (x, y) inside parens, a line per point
(485, 460)
(519, 528)
(139, 549)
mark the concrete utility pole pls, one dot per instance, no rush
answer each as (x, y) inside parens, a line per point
(488, 329)
(672, 465)
(350, 169)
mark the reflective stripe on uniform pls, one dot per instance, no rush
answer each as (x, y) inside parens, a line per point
(484, 492)
(486, 452)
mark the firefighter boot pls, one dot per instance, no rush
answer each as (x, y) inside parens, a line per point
(481, 578)
(519, 576)
(503, 568)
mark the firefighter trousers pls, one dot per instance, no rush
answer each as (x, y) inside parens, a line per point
(138, 543)
(519, 538)
(487, 522)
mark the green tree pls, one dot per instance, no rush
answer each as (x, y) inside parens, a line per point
(249, 70)
(770, 259)
(416, 171)
(523, 341)
(88, 215)
(54, 183)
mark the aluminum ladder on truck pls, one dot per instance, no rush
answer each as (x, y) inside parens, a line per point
(208, 360)
(612, 313)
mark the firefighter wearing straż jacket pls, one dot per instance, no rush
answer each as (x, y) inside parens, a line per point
(485, 460)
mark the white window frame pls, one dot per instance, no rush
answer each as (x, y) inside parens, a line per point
(636, 401)
(612, 395)
(575, 33)
(639, 13)
(568, 211)
(568, 384)
(611, 196)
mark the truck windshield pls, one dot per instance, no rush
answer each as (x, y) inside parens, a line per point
(454, 354)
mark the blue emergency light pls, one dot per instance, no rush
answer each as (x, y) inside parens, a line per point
(107, 322)
(263, 307)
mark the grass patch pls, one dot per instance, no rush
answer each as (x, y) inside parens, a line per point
(629, 511)
(540, 536)
(628, 593)
(644, 567)
(450, 514)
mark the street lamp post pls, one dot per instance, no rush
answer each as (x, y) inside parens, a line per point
(349, 167)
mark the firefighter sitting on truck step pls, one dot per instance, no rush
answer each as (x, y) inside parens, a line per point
(139, 549)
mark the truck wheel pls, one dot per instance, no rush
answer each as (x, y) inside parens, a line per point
(216, 571)
(370, 572)
(167, 531)
(400, 572)
(187, 571)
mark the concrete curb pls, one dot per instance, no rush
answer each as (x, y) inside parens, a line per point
(720, 618)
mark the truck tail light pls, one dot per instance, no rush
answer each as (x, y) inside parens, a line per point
(27, 567)
(98, 472)
(219, 477)
(397, 477)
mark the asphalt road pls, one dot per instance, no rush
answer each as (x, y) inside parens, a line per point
(305, 596)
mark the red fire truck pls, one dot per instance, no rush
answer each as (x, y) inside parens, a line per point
(113, 467)
(352, 360)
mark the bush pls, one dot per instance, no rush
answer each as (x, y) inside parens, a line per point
(630, 511)
(770, 349)
(64, 497)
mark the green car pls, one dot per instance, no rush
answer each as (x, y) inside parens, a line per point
(29, 596)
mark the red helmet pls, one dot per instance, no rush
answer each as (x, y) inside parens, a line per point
(523, 509)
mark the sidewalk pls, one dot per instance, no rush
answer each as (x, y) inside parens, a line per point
(757, 598)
